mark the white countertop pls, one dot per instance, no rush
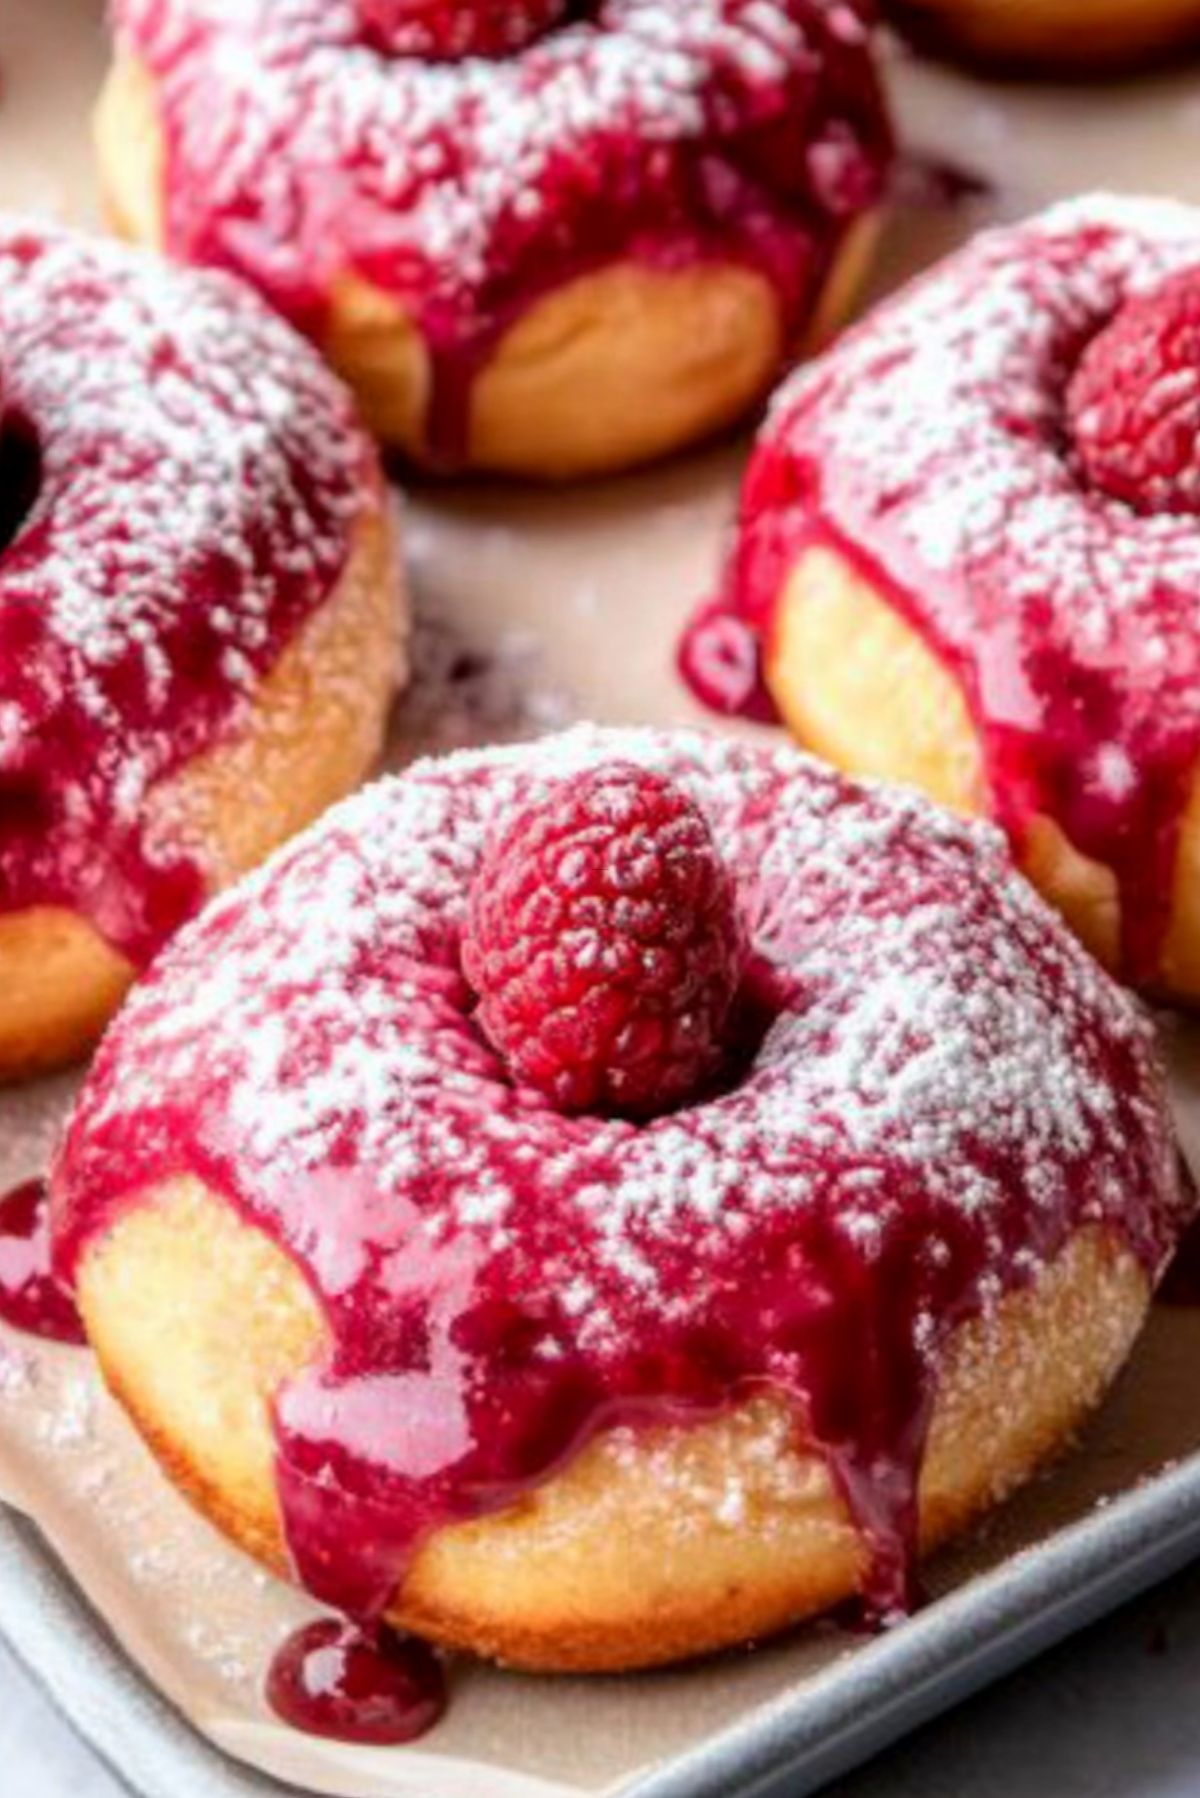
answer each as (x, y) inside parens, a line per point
(1113, 1714)
(40, 1757)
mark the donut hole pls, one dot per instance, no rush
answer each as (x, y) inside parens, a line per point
(20, 475)
(757, 1004)
(25, 805)
(29, 815)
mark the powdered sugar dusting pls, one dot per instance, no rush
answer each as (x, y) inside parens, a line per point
(452, 150)
(940, 1011)
(198, 479)
(933, 439)
(660, 129)
(948, 1089)
(963, 377)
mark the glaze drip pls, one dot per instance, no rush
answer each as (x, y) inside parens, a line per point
(946, 1091)
(356, 1685)
(31, 1297)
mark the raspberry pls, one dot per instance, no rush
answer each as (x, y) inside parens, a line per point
(604, 944)
(448, 30)
(1133, 405)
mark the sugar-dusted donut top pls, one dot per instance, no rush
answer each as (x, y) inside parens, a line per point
(179, 483)
(946, 1090)
(930, 446)
(667, 130)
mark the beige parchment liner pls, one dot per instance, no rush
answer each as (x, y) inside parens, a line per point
(536, 608)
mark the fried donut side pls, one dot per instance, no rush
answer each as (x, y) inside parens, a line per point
(859, 686)
(856, 683)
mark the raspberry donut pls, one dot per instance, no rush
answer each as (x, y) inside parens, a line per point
(198, 609)
(630, 1192)
(969, 552)
(1052, 36)
(547, 239)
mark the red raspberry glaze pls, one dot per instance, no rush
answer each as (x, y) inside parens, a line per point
(949, 1089)
(338, 1680)
(664, 130)
(448, 30)
(603, 941)
(932, 447)
(179, 482)
(31, 1299)
(1133, 405)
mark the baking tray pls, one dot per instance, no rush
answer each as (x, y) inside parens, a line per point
(151, 1632)
(787, 1751)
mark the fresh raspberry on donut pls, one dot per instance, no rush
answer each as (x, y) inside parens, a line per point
(1133, 405)
(448, 30)
(604, 944)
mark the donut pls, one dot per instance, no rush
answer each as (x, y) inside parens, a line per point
(198, 613)
(543, 239)
(1061, 37)
(606, 1199)
(968, 556)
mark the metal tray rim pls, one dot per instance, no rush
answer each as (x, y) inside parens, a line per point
(843, 1716)
(986, 1628)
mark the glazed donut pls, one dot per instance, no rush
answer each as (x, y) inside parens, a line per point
(1051, 36)
(542, 239)
(198, 607)
(599, 1388)
(969, 550)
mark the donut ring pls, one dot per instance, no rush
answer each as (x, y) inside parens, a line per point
(605, 1411)
(197, 600)
(563, 261)
(1052, 36)
(942, 596)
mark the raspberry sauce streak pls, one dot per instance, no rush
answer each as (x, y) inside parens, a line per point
(949, 1091)
(356, 1684)
(1066, 618)
(665, 134)
(32, 1298)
